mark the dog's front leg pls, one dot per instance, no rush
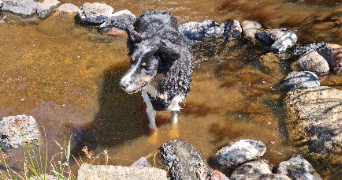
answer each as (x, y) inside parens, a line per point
(151, 113)
(174, 117)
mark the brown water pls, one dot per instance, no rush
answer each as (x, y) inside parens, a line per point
(67, 77)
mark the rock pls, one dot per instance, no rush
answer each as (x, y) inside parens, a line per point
(306, 48)
(270, 35)
(285, 41)
(260, 177)
(232, 30)
(95, 13)
(206, 29)
(142, 162)
(301, 79)
(66, 9)
(182, 161)
(104, 172)
(250, 28)
(315, 118)
(13, 128)
(25, 8)
(253, 167)
(46, 6)
(335, 57)
(118, 22)
(270, 63)
(313, 62)
(238, 152)
(217, 175)
(44, 176)
(298, 168)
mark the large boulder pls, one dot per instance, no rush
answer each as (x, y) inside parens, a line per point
(14, 130)
(301, 79)
(315, 118)
(298, 168)
(313, 62)
(95, 13)
(103, 172)
(206, 29)
(25, 8)
(238, 152)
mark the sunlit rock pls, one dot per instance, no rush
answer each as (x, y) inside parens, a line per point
(25, 8)
(206, 29)
(232, 30)
(334, 55)
(117, 23)
(66, 9)
(313, 62)
(301, 79)
(103, 172)
(182, 161)
(270, 35)
(46, 6)
(250, 28)
(253, 167)
(142, 162)
(284, 42)
(238, 152)
(260, 177)
(306, 48)
(315, 118)
(14, 130)
(298, 168)
(95, 13)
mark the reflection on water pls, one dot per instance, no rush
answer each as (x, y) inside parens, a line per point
(67, 78)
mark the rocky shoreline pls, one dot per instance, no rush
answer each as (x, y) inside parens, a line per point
(313, 110)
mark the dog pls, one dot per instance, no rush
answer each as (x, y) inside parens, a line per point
(160, 63)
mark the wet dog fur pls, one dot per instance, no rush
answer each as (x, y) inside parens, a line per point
(161, 63)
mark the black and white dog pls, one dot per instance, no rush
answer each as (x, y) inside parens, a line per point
(161, 63)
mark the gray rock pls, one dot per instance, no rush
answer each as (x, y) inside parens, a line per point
(46, 6)
(315, 118)
(270, 35)
(232, 30)
(142, 162)
(298, 168)
(301, 79)
(95, 13)
(119, 20)
(333, 54)
(103, 172)
(25, 8)
(260, 177)
(306, 48)
(67, 9)
(206, 29)
(253, 167)
(238, 152)
(285, 41)
(14, 130)
(182, 161)
(250, 28)
(313, 62)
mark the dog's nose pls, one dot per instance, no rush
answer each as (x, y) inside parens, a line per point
(123, 84)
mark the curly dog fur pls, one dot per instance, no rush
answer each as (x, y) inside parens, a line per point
(161, 63)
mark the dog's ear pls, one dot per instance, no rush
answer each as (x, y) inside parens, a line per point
(169, 50)
(134, 35)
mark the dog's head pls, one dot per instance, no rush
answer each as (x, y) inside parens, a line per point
(149, 57)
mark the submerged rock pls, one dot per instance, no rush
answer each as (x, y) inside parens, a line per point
(285, 41)
(118, 21)
(25, 8)
(313, 62)
(67, 9)
(46, 6)
(232, 30)
(253, 167)
(306, 48)
(301, 79)
(206, 29)
(260, 177)
(14, 130)
(315, 118)
(250, 28)
(103, 172)
(298, 168)
(182, 161)
(95, 13)
(238, 152)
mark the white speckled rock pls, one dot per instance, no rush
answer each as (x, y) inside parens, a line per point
(250, 28)
(285, 41)
(301, 79)
(239, 152)
(95, 13)
(313, 62)
(253, 167)
(206, 29)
